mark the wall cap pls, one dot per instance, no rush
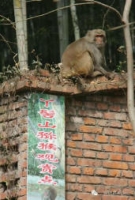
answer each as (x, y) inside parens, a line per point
(42, 80)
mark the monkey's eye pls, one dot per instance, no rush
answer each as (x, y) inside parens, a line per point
(101, 36)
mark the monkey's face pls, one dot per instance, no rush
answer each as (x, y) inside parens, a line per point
(97, 36)
(99, 40)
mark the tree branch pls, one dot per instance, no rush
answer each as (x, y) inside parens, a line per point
(121, 26)
(7, 43)
(78, 4)
(130, 82)
(8, 20)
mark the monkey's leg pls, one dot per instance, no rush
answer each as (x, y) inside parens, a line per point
(104, 72)
(96, 73)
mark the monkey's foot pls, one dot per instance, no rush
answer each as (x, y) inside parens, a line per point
(110, 75)
(81, 84)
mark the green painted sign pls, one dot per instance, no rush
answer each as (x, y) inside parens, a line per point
(46, 147)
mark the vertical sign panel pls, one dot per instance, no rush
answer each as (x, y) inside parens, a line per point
(46, 147)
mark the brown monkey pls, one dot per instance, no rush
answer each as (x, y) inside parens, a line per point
(50, 193)
(85, 56)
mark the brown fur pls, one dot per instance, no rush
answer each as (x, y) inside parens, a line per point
(50, 193)
(85, 56)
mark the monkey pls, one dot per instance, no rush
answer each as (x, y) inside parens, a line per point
(50, 193)
(86, 56)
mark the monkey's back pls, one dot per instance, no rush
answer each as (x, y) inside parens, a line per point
(76, 59)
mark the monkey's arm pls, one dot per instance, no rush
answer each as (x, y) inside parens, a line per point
(97, 58)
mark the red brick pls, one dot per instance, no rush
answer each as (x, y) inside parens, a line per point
(115, 140)
(131, 183)
(23, 147)
(128, 191)
(76, 137)
(88, 162)
(128, 141)
(90, 113)
(115, 108)
(127, 174)
(116, 116)
(101, 189)
(20, 121)
(70, 144)
(70, 160)
(24, 173)
(102, 155)
(129, 158)
(102, 122)
(75, 187)
(101, 172)
(113, 190)
(22, 181)
(111, 197)
(3, 160)
(88, 137)
(116, 132)
(114, 173)
(89, 145)
(22, 191)
(17, 105)
(23, 138)
(132, 166)
(89, 154)
(113, 123)
(95, 98)
(89, 121)
(102, 106)
(71, 178)
(74, 170)
(76, 152)
(43, 72)
(90, 129)
(24, 164)
(127, 126)
(24, 128)
(90, 105)
(115, 181)
(82, 196)
(115, 148)
(131, 150)
(88, 171)
(3, 195)
(102, 139)
(115, 165)
(88, 179)
(115, 99)
(70, 195)
(116, 157)
(22, 198)
(76, 102)
(23, 155)
(88, 187)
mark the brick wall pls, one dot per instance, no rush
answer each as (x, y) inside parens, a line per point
(100, 148)
(100, 152)
(13, 147)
